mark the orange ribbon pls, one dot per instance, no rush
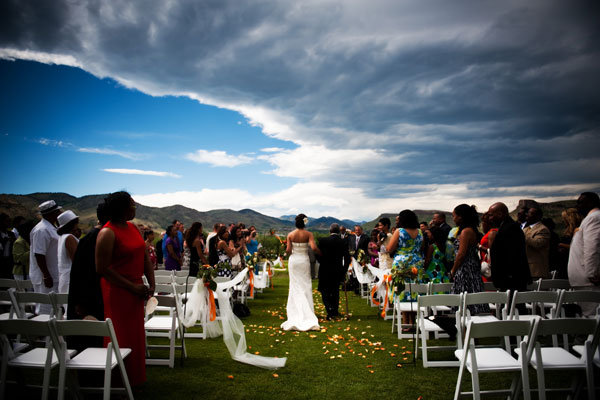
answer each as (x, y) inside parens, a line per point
(251, 279)
(386, 279)
(211, 303)
(375, 301)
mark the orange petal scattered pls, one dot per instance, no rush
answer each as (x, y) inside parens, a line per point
(229, 376)
(275, 376)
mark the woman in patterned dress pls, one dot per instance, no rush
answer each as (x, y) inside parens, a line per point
(406, 246)
(466, 270)
(436, 270)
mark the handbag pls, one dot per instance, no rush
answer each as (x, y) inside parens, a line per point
(486, 270)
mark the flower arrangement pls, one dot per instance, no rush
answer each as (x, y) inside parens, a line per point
(362, 259)
(207, 273)
(400, 276)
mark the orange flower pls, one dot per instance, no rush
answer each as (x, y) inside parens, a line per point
(275, 376)
(229, 376)
(414, 270)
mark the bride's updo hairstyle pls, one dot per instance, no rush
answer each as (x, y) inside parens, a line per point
(300, 221)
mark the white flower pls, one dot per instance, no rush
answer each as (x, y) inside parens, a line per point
(305, 220)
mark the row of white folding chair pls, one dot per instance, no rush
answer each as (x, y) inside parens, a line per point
(17, 284)
(56, 353)
(530, 351)
(399, 307)
(20, 300)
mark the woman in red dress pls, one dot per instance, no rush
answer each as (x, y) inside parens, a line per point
(121, 260)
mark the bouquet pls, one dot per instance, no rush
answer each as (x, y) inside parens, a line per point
(402, 275)
(207, 273)
(362, 259)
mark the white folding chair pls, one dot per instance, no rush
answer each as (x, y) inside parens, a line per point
(169, 326)
(40, 358)
(163, 279)
(179, 274)
(575, 297)
(559, 358)
(538, 300)
(553, 284)
(24, 285)
(400, 307)
(162, 272)
(425, 326)
(496, 359)
(23, 299)
(92, 358)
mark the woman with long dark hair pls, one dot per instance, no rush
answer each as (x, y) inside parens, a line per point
(195, 242)
(121, 260)
(466, 270)
(173, 259)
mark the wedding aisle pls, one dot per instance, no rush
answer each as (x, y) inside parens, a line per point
(347, 359)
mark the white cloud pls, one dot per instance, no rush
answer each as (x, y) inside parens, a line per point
(141, 172)
(112, 152)
(39, 56)
(217, 158)
(324, 198)
(272, 149)
(53, 143)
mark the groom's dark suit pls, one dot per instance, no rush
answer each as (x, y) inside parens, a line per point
(334, 261)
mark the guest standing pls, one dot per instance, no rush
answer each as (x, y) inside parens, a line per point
(385, 261)
(43, 257)
(466, 270)
(584, 257)
(67, 244)
(572, 220)
(489, 234)
(436, 270)
(121, 260)
(406, 246)
(21, 251)
(374, 248)
(537, 244)
(149, 239)
(510, 268)
(7, 238)
(195, 242)
(439, 220)
(173, 259)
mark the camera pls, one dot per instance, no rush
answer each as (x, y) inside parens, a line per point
(382, 235)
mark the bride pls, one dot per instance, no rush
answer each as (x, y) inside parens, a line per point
(300, 308)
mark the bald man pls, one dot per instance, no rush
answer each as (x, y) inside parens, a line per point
(510, 268)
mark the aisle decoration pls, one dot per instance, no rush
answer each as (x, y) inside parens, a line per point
(232, 329)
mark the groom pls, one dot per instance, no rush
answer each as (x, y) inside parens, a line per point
(334, 261)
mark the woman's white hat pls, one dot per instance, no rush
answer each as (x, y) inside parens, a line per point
(65, 218)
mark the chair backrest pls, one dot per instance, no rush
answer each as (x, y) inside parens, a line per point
(486, 297)
(23, 285)
(499, 329)
(451, 300)
(166, 301)
(162, 272)
(8, 283)
(553, 284)
(421, 288)
(183, 273)
(164, 279)
(534, 285)
(533, 297)
(441, 288)
(568, 326)
(578, 296)
(82, 327)
(25, 327)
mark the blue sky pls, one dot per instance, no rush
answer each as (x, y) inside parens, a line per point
(323, 107)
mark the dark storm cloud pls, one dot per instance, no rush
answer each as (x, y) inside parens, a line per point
(498, 93)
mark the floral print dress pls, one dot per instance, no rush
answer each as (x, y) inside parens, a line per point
(408, 255)
(436, 270)
(468, 277)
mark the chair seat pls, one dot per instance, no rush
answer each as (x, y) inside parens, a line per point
(4, 316)
(41, 317)
(407, 306)
(556, 358)
(430, 326)
(483, 318)
(36, 358)
(94, 358)
(162, 323)
(527, 317)
(441, 308)
(490, 360)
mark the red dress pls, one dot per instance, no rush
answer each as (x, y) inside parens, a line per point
(485, 242)
(125, 309)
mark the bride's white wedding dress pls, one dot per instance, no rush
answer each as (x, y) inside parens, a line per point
(300, 307)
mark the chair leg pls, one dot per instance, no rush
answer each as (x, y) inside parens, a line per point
(61, 381)
(107, 376)
(541, 383)
(3, 369)
(46, 384)
(172, 349)
(461, 371)
(475, 383)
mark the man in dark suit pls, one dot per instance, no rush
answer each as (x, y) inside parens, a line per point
(334, 261)
(439, 220)
(509, 265)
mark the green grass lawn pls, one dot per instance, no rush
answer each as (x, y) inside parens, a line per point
(358, 358)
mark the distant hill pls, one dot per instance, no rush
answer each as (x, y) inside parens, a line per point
(159, 217)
